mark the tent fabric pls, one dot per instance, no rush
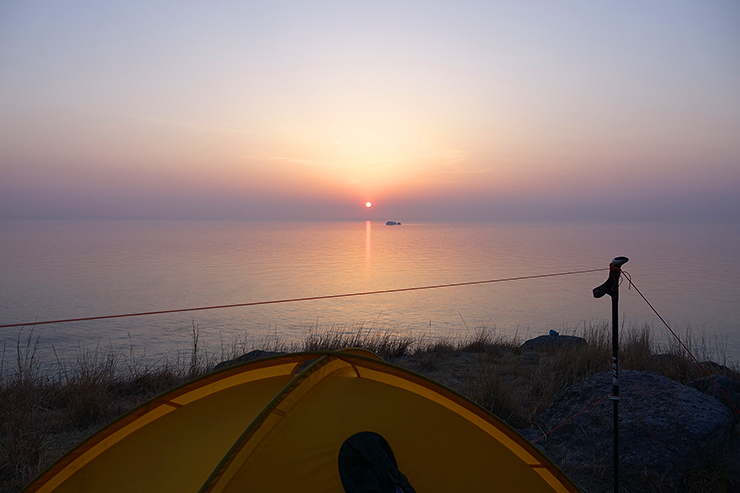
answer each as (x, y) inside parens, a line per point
(278, 424)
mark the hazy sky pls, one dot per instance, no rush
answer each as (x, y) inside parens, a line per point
(431, 110)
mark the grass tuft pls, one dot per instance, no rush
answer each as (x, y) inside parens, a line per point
(387, 344)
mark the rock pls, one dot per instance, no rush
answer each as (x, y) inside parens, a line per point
(552, 342)
(693, 427)
(530, 358)
(392, 223)
(730, 387)
(712, 367)
(251, 355)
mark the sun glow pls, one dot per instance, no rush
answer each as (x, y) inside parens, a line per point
(368, 204)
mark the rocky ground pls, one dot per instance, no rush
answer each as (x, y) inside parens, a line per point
(680, 437)
(534, 387)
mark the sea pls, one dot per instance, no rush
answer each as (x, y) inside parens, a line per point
(59, 270)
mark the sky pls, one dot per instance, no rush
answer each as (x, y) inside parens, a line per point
(436, 110)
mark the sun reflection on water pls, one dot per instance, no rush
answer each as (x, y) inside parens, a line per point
(368, 232)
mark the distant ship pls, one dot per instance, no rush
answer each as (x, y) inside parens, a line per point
(392, 223)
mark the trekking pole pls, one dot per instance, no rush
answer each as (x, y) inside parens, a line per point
(611, 287)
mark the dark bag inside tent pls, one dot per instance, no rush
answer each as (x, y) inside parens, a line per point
(367, 465)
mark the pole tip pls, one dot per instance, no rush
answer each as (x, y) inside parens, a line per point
(619, 262)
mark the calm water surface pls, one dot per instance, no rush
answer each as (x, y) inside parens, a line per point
(58, 270)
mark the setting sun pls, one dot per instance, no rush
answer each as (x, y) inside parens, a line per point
(368, 204)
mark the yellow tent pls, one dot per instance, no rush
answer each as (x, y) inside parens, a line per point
(329, 421)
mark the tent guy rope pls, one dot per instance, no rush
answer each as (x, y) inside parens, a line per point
(632, 285)
(293, 300)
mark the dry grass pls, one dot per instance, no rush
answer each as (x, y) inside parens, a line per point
(42, 415)
(385, 344)
(519, 387)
